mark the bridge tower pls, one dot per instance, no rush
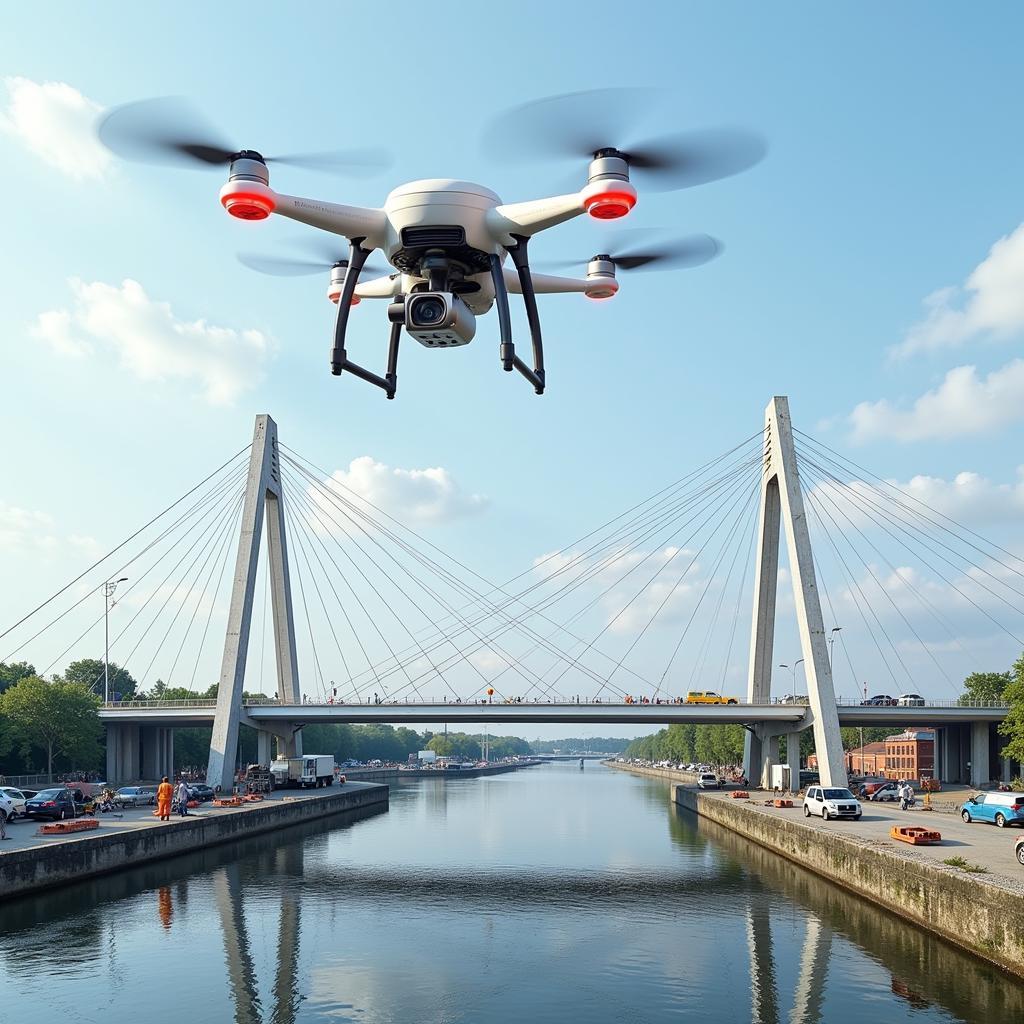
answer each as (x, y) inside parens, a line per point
(782, 504)
(263, 502)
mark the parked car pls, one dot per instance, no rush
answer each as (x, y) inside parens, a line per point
(55, 804)
(200, 791)
(831, 803)
(134, 796)
(708, 697)
(708, 780)
(809, 778)
(888, 791)
(1000, 809)
(1020, 850)
(17, 798)
(794, 698)
(910, 700)
(6, 806)
(880, 700)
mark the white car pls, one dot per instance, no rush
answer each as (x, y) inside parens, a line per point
(831, 803)
(6, 806)
(17, 798)
(910, 700)
(707, 781)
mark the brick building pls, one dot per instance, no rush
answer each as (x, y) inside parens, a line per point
(910, 755)
(867, 760)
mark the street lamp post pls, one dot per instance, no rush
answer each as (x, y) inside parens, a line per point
(108, 602)
(832, 643)
(792, 669)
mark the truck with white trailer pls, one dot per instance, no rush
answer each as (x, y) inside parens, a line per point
(306, 772)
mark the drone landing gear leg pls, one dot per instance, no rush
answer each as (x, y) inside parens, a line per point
(339, 357)
(522, 265)
(509, 359)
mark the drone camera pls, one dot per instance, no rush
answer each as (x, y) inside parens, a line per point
(338, 272)
(439, 319)
(601, 282)
(247, 194)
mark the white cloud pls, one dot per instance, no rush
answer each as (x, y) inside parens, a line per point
(412, 495)
(56, 123)
(152, 343)
(29, 530)
(963, 404)
(992, 306)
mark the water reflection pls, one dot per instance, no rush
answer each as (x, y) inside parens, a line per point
(550, 896)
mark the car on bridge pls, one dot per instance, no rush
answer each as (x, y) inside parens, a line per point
(910, 700)
(708, 697)
(880, 700)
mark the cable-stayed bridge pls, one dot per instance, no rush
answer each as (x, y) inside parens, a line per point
(271, 573)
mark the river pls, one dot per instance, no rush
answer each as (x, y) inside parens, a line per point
(546, 895)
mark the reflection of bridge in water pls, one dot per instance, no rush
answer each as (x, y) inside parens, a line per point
(390, 628)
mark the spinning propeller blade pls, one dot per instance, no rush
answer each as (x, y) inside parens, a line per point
(577, 125)
(170, 130)
(641, 250)
(320, 259)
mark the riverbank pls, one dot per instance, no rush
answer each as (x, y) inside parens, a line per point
(978, 911)
(31, 862)
(388, 774)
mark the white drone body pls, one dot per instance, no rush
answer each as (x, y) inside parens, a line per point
(448, 242)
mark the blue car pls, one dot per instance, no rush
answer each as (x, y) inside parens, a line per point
(999, 809)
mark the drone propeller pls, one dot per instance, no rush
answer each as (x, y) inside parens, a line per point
(320, 258)
(639, 250)
(169, 130)
(580, 124)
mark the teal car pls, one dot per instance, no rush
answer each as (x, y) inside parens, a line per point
(999, 809)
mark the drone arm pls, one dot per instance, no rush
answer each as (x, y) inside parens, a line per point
(546, 284)
(525, 219)
(379, 288)
(350, 221)
(509, 359)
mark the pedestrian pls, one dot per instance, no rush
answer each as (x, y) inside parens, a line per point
(183, 799)
(164, 795)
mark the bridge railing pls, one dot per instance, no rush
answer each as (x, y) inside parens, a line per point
(274, 702)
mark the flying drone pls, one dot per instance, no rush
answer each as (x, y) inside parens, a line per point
(446, 240)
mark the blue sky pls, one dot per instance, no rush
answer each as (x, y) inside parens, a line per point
(895, 166)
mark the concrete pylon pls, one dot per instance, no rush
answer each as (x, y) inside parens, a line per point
(262, 497)
(782, 503)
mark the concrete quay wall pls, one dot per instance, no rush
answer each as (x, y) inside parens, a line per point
(98, 853)
(672, 774)
(984, 919)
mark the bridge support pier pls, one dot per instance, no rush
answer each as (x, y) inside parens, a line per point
(782, 505)
(263, 503)
(157, 752)
(264, 746)
(123, 753)
(793, 759)
(981, 771)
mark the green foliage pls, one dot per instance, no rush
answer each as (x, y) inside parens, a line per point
(964, 865)
(59, 718)
(1013, 725)
(15, 671)
(710, 744)
(88, 673)
(981, 687)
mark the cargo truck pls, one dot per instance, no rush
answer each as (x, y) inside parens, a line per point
(305, 772)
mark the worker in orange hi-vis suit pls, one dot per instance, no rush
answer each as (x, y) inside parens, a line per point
(164, 794)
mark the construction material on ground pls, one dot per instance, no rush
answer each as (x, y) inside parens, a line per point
(229, 801)
(62, 828)
(740, 794)
(915, 835)
(782, 803)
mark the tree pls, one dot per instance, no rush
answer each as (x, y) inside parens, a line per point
(985, 687)
(88, 672)
(60, 718)
(1013, 725)
(15, 671)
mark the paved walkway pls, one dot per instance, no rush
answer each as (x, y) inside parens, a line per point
(985, 845)
(24, 832)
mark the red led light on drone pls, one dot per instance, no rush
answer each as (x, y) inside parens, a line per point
(247, 205)
(335, 296)
(610, 205)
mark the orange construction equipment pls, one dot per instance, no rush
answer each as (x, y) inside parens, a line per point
(915, 835)
(253, 798)
(60, 828)
(740, 794)
(230, 801)
(782, 803)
